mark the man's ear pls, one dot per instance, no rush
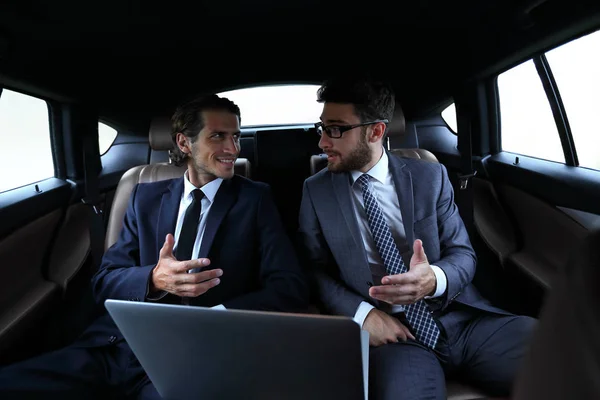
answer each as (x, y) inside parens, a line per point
(377, 132)
(183, 143)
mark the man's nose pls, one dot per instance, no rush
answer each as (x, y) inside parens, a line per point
(232, 145)
(324, 142)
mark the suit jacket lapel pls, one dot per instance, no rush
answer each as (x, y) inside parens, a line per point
(343, 193)
(226, 196)
(404, 188)
(167, 214)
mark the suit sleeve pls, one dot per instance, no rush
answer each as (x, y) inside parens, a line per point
(336, 297)
(120, 276)
(284, 286)
(457, 257)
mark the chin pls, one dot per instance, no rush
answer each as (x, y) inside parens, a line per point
(226, 174)
(336, 168)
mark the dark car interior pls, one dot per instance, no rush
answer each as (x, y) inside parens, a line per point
(128, 64)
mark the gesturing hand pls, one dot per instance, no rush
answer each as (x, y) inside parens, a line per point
(407, 288)
(171, 275)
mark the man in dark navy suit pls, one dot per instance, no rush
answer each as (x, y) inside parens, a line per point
(210, 238)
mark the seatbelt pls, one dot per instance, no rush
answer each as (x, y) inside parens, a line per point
(464, 196)
(92, 197)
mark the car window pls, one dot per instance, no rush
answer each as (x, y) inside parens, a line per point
(25, 149)
(106, 137)
(526, 120)
(449, 116)
(277, 105)
(576, 70)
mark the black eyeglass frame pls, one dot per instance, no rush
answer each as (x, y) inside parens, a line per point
(320, 127)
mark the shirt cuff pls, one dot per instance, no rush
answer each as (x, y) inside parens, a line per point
(362, 311)
(441, 282)
(219, 307)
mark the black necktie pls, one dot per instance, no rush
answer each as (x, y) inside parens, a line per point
(189, 229)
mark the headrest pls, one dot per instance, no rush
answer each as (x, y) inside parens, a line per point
(398, 124)
(415, 153)
(160, 134)
(242, 167)
(408, 140)
(317, 163)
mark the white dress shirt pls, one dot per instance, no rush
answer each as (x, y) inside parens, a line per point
(383, 189)
(210, 191)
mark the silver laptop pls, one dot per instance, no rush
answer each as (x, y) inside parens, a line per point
(195, 352)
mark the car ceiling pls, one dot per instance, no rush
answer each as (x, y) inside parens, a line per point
(135, 57)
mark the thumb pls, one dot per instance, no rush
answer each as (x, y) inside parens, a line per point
(419, 255)
(167, 250)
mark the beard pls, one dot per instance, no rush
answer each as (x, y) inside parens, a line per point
(358, 158)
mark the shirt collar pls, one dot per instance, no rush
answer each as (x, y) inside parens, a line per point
(379, 171)
(210, 189)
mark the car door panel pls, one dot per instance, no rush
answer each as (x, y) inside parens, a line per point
(531, 214)
(26, 295)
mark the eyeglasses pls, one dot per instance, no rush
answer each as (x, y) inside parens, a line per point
(336, 131)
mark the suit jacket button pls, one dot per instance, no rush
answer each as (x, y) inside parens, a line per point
(112, 339)
(369, 284)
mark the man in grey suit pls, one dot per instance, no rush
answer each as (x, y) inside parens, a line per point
(387, 247)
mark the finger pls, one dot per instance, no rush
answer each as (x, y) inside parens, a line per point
(418, 252)
(186, 278)
(408, 289)
(396, 300)
(399, 279)
(167, 249)
(195, 290)
(407, 332)
(386, 299)
(185, 266)
(199, 277)
(400, 335)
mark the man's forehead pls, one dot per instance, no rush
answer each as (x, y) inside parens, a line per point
(220, 119)
(338, 112)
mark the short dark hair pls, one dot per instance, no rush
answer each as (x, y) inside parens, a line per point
(372, 99)
(187, 119)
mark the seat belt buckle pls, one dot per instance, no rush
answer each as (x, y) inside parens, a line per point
(94, 204)
(464, 180)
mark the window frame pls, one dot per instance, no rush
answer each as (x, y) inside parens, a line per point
(554, 100)
(558, 109)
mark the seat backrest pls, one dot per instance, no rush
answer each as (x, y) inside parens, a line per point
(160, 141)
(402, 138)
(401, 141)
